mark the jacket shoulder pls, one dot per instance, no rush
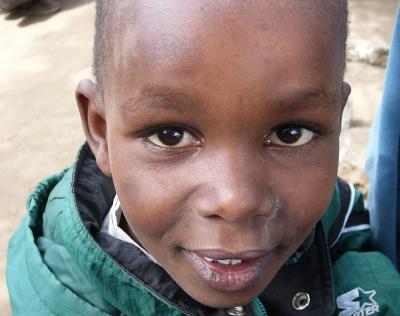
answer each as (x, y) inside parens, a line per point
(366, 283)
(33, 287)
(346, 222)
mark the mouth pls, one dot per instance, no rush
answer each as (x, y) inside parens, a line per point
(226, 271)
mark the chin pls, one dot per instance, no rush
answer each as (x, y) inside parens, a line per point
(217, 299)
(226, 302)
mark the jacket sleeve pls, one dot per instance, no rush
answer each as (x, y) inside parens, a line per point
(38, 269)
(365, 281)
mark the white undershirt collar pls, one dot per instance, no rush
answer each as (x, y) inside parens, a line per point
(111, 227)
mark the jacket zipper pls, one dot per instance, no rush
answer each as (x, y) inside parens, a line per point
(258, 307)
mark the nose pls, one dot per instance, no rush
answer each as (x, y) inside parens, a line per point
(235, 189)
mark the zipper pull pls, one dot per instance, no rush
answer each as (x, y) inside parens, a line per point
(236, 311)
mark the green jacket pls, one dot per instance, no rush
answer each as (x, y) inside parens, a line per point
(60, 263)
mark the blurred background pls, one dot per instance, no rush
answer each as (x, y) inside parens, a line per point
(42, 59)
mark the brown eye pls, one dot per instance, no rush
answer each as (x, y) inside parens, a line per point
(172, 137)
(290, 136)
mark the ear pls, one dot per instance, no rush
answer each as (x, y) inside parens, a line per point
(91, 109)
(346, 90)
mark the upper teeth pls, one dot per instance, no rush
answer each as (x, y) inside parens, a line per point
(231, 262)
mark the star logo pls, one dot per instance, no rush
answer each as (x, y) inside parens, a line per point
(366, 298)
(357, 302)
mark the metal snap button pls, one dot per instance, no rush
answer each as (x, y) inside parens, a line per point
(301, 301)
(236, 311)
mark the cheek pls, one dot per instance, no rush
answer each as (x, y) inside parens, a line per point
(309, 198)
(306, 192)
(152, 204)
(147, 204)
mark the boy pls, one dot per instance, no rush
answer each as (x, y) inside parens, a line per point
(214, 127)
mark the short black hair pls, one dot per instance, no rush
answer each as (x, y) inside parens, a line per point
(102, 28)
(99, 42)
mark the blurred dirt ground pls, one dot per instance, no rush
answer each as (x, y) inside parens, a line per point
(41, 61)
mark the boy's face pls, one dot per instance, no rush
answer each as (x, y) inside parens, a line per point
(221, 126)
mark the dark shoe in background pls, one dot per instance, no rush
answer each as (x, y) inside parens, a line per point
(31, 8)
(8, 5)
(39, 8)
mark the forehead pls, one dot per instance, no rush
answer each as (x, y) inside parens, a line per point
(252, 41)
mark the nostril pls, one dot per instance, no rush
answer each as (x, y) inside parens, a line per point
(234, 194)
(236, 207)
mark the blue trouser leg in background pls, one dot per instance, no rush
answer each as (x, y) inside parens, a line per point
(383, 160)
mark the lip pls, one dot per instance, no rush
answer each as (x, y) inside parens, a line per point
(228, 278)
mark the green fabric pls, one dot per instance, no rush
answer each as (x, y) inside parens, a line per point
(370, 275)
(353, 241)
(258, 308)
(40, 264)
(33, 288)
(56, 268)
(375, 275)
(332, 212)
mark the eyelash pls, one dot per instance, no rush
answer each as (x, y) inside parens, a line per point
(316, 131)
(157, 130)
(196, 143)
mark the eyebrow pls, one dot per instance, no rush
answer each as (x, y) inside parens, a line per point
(177, 100)
(308, 98)
(160, 97)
